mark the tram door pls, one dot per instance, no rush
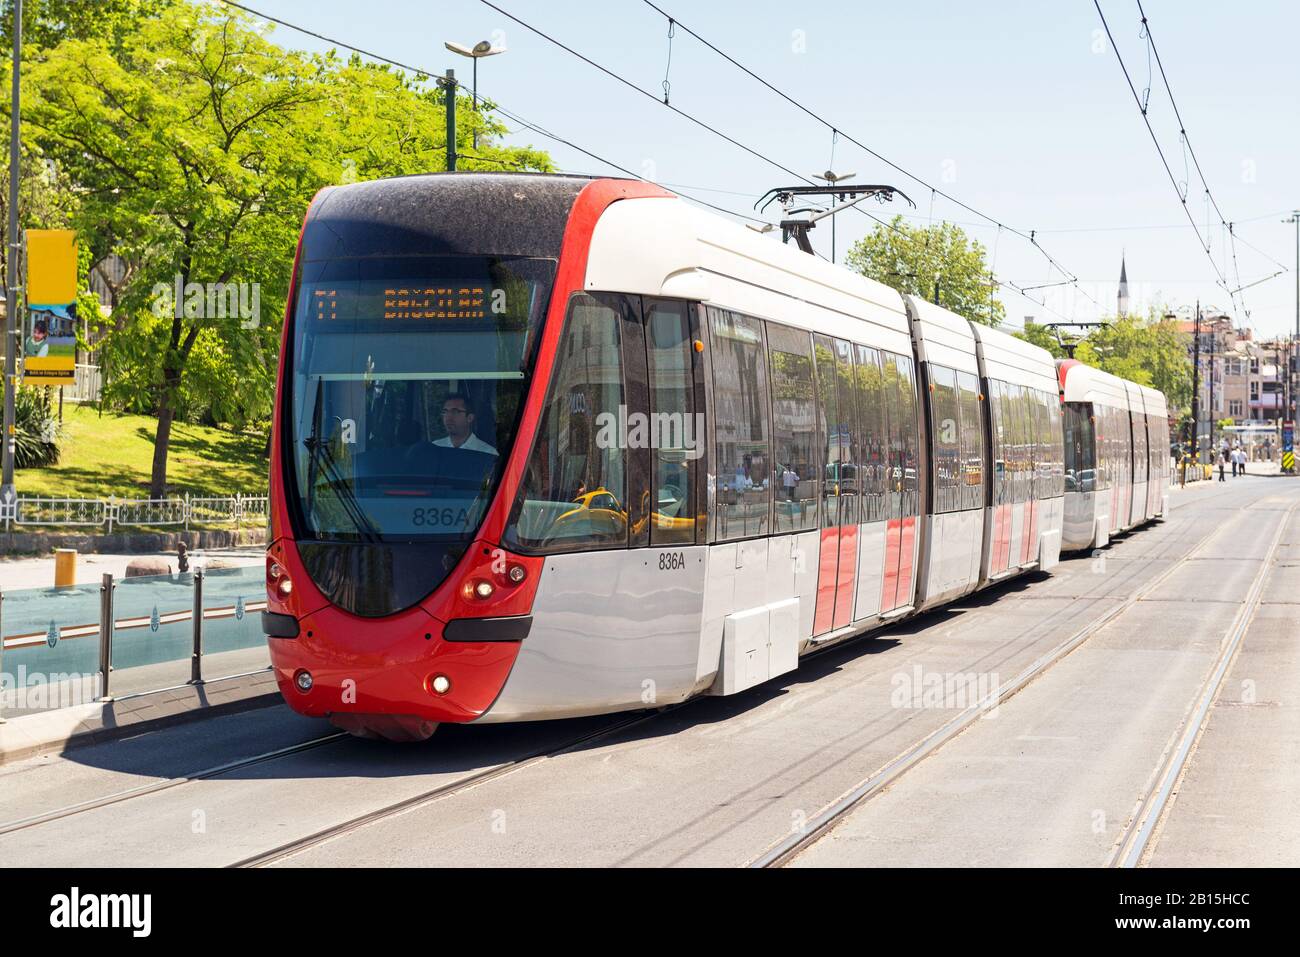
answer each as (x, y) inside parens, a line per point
(902, 489)
(842, 474)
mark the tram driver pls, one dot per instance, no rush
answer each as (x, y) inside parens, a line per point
(458, 419)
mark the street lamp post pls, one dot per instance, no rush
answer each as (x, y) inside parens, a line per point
(13, 340)
(475, 53)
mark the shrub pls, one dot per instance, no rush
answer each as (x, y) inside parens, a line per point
(37, 431)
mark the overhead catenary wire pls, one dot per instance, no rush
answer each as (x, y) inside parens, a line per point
(542, 131)
(1189, 150)
(838, 130)
(758, 153)
(484, 103)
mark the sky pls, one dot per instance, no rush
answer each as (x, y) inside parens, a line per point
(1017, 109)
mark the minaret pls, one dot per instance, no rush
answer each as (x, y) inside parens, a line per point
(1122, 304)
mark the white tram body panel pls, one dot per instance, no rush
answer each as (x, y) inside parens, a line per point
(951, 539)
(1111, 493)
(1157, 409)
(607, 635)
(603, 640)
(1008, 361)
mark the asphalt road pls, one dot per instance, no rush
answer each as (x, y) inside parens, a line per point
(1053, 776)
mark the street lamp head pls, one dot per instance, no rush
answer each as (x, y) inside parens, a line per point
(481, 49)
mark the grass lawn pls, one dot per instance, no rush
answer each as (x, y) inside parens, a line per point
(113, 455)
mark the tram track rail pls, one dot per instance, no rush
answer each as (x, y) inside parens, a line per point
(284, 851)
(824, 821)
(117, 797)
(287, 850)
(1136, 840)
(449, 789)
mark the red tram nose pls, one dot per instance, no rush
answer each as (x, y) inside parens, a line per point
(401, 665)
(445, 659)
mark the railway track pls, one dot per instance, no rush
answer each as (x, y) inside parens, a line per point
(1137, 838)
(882, 778)
(1138, 833)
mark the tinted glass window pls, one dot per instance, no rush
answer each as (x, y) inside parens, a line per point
(574, 487)
(945, 438)
(676, 430)
(407, 377)
(850, 455)
(740, 400)
(794, 431)
(907, 429)
(874, 452)
(832, 439)
(972, 443)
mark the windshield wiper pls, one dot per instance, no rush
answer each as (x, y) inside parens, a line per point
(323, 459)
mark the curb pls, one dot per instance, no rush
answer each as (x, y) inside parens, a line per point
(100, 721)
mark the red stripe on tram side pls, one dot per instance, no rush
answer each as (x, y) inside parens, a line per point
(847, 576)
(1033, 531)
(889, 581)
(907, 549)
(827, 568)
(1030, 518)
(1004, 537)
(998, 563)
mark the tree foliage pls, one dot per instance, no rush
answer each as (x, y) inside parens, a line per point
(194, 145)
(912, 259)
(1148, 351)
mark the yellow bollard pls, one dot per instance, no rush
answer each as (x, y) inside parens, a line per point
(65, 567)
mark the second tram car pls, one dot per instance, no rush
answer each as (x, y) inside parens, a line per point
(549, 446)
(1117, 455)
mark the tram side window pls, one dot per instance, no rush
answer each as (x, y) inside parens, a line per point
(1057, 481)
(909, 438)
(740, 401)
(895, 476)
(1024, 442)
(830, 438)
(850, 461)
(1140, 456)
(873, 448)
(794, 417)
(997, 428)
(945, 438)
(677, 432)
(1043, 464)
(972, 443)
(574, 487)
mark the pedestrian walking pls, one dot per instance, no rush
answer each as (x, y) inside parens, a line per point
(1232, 457)
(1241, 461)
(1222, 466)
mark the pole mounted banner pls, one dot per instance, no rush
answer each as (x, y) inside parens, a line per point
(50, 334)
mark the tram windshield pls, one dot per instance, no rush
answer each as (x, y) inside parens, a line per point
(407, 376)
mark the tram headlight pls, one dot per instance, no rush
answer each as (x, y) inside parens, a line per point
(284, 587)
(302, 680)
(516, 574)
(479, 588)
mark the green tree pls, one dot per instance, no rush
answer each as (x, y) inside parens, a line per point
(912, 259)
(195, 145)
(1148, 351)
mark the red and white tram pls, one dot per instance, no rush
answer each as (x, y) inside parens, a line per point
(1117, 455)
(549, 446)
